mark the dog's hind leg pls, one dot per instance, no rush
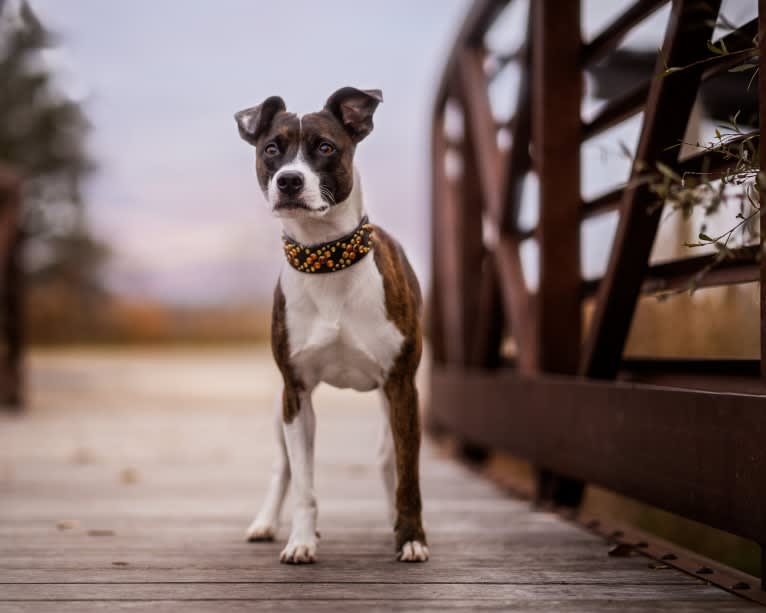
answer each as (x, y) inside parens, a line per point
(387, 460)
(405, 426)
(265, 524)
(299, 431)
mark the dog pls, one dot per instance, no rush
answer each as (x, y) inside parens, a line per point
(347, 311)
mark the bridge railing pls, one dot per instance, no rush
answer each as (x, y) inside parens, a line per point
(541, 373)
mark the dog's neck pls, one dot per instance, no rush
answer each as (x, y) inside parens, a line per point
(342, 219)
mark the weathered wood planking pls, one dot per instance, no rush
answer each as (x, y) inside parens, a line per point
(170, 452)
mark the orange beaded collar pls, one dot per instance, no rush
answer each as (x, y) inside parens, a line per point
(332, 256)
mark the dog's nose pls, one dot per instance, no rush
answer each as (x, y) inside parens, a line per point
(290, 183)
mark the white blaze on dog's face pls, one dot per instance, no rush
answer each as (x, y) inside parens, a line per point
(305, 166)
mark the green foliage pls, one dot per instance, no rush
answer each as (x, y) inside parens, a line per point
(736, 187)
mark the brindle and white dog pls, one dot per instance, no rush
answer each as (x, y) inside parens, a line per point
(346, 310)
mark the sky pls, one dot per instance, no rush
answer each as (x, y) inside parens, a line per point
(175, 195)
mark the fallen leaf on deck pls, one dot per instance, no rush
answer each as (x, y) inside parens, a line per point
(128, 476)
(100, 532)
(67, 524)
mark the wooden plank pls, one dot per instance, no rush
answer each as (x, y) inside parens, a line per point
(611, 36)
(556, 93)
(701, 454)
(201, 451)
(477, 593)
(667, 112)
(325, 604)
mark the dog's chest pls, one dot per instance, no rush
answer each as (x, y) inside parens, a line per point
(338, 328)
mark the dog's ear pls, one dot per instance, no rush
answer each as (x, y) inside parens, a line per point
(354, 109)
(255, 121)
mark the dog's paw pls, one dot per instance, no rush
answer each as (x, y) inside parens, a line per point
(261, 531)
(299, 553)
(413, 551)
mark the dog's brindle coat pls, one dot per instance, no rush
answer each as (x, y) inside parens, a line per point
(359, 327)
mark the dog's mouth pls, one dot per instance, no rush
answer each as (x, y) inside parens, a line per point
(291, 205)
(297, 206)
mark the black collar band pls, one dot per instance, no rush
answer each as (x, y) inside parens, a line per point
(332, 256)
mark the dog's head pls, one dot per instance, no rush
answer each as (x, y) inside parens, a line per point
(306, 165)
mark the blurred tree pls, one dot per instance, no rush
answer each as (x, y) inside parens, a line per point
(42, 144)
(42, 135)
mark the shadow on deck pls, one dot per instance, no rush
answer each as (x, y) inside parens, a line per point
(130, 481)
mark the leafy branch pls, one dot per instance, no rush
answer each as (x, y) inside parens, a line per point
(729, 174)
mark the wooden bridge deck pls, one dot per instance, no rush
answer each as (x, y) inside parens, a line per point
(130, 481)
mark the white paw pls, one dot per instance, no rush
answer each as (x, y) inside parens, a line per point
(261, 531)
(299, 553)
(413, 551)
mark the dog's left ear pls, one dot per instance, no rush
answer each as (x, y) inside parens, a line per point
(354, 109)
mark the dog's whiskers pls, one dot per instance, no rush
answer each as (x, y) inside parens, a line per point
(327, 194)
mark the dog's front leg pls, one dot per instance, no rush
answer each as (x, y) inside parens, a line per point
(402, 399)
(387, 461)
(265, 524)
(299, 439)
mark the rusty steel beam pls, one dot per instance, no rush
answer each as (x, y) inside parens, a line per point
(485, 349)
(436, 316)
(697, 454)
(480, 127)
(447, 301)
(739, 40)
(616, 111)
(518, 161)
(556, 94)
(516, 301)
(611, 36)
(476, 23)
(667, 111)
(604, 203)
(467, 241)
(702, 271)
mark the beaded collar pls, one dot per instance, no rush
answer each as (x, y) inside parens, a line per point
(331, 256)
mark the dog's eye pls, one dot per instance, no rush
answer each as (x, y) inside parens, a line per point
(326, 148)
(271, 149)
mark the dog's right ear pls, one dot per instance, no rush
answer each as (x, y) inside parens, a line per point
(255, 121)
